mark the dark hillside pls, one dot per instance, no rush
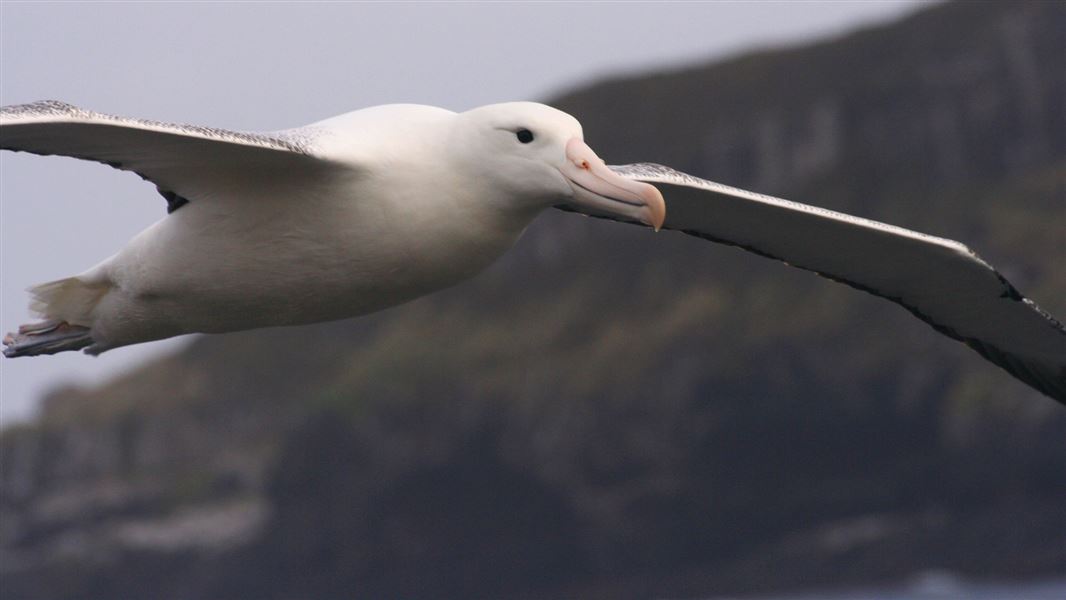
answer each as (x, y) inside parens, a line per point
(610, 412)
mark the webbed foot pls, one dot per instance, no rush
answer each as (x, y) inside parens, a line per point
(46, 337)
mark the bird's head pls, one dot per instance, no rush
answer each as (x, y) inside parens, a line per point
(538, 156)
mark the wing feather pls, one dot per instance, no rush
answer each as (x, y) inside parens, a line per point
(940, 281)
(179, 159)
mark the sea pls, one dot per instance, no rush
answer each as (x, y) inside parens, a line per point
(937, 586)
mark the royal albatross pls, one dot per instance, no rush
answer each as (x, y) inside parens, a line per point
(379, 206)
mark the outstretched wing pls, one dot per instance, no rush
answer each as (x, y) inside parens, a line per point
(940, 281)
(177, 158)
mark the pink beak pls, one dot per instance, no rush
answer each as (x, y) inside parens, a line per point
(601, 190)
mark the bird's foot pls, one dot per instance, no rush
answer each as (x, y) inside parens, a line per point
(46, 337)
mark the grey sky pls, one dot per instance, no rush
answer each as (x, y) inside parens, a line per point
(270, 66)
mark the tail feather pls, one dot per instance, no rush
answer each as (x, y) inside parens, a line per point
(72, 300)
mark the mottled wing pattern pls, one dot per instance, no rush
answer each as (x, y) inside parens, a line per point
(940, 281)
(174, 157)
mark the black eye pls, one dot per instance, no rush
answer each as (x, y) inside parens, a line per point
(524, 135)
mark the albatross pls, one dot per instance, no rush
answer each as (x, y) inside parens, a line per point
(379, 206)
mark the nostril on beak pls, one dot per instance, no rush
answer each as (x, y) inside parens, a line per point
(585, 164)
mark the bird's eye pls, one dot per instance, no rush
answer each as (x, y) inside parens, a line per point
(524, 135)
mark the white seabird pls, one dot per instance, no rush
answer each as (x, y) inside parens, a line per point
(379, 206)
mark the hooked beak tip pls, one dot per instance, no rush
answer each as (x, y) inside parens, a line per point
(656, 207)
(610, 191)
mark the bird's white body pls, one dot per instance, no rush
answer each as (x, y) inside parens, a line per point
(399, 224)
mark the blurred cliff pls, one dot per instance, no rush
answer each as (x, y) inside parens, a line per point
(611, 412)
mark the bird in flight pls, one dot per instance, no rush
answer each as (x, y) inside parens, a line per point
(379, 206)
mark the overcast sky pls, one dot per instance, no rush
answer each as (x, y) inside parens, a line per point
(271, 66)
